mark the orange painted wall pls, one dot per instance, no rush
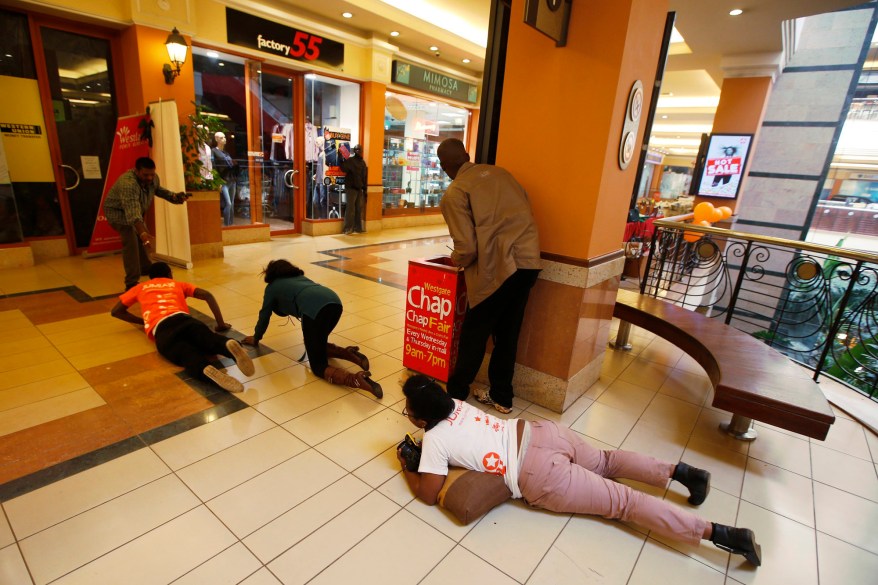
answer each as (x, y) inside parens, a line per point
(144, 51)
(372, 118)
(741, 108)
(562, 117)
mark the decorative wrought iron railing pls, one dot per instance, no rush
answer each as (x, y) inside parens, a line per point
(816, 304)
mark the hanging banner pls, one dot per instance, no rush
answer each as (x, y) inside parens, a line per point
(127, 148)
(434, 311)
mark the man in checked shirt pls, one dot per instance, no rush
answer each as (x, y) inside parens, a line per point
(126, 204)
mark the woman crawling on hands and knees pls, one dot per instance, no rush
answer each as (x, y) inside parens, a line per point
(552, 467)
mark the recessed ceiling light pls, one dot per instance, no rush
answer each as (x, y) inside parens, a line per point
(735, 12)
(434, 48)
(212, 54)
(466, 60)
(394, 33)
(665, 117)
(347, 14)
(221, 64)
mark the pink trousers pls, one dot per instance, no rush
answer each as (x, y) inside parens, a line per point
(563, 473)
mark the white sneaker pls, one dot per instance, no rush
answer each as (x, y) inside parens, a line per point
(245, 364)
(223, 380)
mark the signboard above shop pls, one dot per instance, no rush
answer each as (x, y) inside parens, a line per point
(265, 36)
(434, 82)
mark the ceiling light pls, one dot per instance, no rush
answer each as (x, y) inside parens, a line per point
(665, 117)
(735, 12)
(347, 15)
(212, 54)
(434, 48)
(466, 60)
(394, 33)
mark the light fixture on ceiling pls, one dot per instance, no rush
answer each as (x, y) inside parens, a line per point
(466, 60)
(394, 33)
(665, 117)
(212, 54)
(347, 15)
(434, 48)
(736, 12)
(177, 49)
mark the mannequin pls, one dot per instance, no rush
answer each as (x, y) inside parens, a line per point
(228, 171)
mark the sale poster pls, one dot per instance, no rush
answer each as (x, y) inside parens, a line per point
(435, 307)
(336, 148)
(724, 165)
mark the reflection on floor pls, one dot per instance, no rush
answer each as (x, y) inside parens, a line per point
(116, 469)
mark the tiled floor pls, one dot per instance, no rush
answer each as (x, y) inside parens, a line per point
(114, 469)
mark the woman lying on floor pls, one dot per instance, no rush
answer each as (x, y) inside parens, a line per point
(552, 467)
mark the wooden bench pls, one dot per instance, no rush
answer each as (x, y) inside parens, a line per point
(750, 379)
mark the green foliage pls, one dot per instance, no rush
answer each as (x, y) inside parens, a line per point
(200, 130)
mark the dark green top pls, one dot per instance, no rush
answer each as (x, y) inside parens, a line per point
(294, 297)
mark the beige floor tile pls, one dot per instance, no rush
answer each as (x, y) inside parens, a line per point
(395, 322)
(229, 567)
(719, 507)
(781, 491)
(284, 532)
(627, 397)
(685, 385)
(282, 337)
(25, 359)
(688, 364)
(845, 472)
(848, 437)
(397, 490)
(612, 552)
(322, 423)
(707, 429)
(299, 401)
(35, 342)
(160, 556)
(388, 342)
(91, 331)
(364, 562)
(439, 518)
(660, 565)
(363, 305)
(6, 536)
(84, 491)
(364, 332)
(726, 467)
(127, 345)
(36, 391)
(253, 504)
(266, 364)
(64, 547)
(364, 441)
(350, 320)
(462, 562)
(789, 552)
(377, 471)
(614, 363)
(567, 418)
(843, 564)
(241, 462)
(671, 414)
(261, 577)
(381, 366)
(786, 451)
(332, 540)
(846, 517)
(49, 409)
(597, 388)
(12, 567)
(206, 440)
(662, 443)
(645, 374)
(661, 352)
(497, 538)
(39, 372)
(606, 424)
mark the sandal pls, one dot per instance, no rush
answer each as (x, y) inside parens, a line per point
(488, 401)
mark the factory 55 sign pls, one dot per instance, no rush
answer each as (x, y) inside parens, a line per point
(246, 30)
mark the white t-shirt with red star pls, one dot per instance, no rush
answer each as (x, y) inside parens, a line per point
(473, 439)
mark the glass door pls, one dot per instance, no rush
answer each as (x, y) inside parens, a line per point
(278, 160)
(81, 88)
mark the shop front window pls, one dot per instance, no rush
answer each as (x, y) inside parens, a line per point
(332, 128)
(413, 128)
(220, 86)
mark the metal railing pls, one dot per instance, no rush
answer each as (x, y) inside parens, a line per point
(816, 304)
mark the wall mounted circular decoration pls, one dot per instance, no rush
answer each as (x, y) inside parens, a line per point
(631, 125)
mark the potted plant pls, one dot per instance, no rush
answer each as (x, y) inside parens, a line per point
(194, 136)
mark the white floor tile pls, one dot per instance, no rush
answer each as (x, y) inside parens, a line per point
(845, 472)
(786, 451)
(660, 565)
(846, 517)
(12, 568)
(726, 467)
(229, 567)
(606, 424)
(299, 401)
(780, 491)
(365, 441)
(848, 437)
(462, 562)
(844, 564)
(322, 423)
(261, 577)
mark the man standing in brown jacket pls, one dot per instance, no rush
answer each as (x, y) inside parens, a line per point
(497, 244)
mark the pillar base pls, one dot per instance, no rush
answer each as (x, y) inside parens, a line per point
(740, 427)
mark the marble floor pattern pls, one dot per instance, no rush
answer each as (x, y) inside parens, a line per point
(114, 468)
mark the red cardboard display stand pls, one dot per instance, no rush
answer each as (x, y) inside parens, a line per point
(434, 310)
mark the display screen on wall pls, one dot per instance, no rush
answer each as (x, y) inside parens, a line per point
(246, 30)
(724, 165)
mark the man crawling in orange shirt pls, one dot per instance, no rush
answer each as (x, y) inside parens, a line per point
(179, 337)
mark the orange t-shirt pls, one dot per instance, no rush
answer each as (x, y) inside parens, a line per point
(158, 298)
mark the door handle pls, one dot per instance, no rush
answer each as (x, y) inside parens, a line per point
(76, 184)
(288, 178)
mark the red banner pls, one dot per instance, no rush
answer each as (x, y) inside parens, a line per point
(434, 311)
(127, 148)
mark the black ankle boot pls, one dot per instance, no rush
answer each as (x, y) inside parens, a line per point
(696, 480)
(738, 541)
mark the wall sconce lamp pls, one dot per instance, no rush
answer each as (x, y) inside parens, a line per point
(177, 48)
